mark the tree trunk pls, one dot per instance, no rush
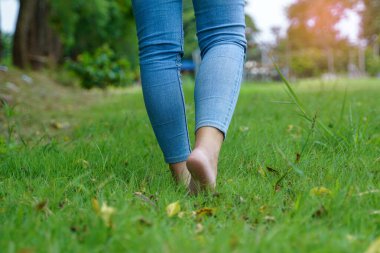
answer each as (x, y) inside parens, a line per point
(35, 43)
(330, 60)
(20, 48)
(362, 60)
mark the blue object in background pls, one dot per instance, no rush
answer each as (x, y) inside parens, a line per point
(188, 65)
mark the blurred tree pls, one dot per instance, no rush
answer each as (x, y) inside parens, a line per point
(190, 30)
(370, 31)
(313, 25)
(251, 32)
(81, 26)
(85, 26)
(370, 24)
(35, 43)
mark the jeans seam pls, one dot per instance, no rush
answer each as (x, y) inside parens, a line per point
(179, 57)
(233, 95)
(184, 109)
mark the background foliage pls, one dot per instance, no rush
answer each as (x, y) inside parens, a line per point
(50, 33)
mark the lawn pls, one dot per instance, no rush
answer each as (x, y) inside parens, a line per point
(94, 180)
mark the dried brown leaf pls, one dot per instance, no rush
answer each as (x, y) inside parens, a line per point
(143, 221)
(41, 205)
(298, 157)
(270, 169)
(146, 199)
(322, 211)
(204, 212)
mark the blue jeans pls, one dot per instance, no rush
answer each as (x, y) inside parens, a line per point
(221, 39)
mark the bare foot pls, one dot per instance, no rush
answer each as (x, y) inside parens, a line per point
(203, 171)
(203, 161)
(180, 173)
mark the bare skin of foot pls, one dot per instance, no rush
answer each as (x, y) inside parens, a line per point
(180, 173)
(203, 161)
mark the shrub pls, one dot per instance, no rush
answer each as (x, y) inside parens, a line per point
(6, 53)
(308, 62)
(373, 64)
(101, 69)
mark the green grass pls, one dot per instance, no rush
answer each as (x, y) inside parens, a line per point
(48, 181)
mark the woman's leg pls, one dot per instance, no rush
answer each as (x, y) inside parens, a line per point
(160, 33)
(221, 36)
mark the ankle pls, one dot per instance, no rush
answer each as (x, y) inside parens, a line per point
(209, 140)
(208, 151)
(180, 173)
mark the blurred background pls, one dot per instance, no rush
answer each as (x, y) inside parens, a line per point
(95, 44)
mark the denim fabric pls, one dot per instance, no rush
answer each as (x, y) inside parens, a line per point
(221, 36)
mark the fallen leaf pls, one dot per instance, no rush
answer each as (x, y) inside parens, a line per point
(320, 212)
(269, 219)
(41, 205)
(144, 222)
(181, 214)
(173, 208)
(95, 205)
(263, 209)
(74, 229)
(215, 195)
(204, 212)
(261, 171)
(83, 163)
(270, 169)
(63, 203)
(374, 247)
(144, 198)
(199, 228)
(60, 125)
(106, 213)
(298, 157)
(243, 128)
(277, 185)
(78, 229)
(320, 191)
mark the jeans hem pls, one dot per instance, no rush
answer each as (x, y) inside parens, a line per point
(177, 159)
(214, 124)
